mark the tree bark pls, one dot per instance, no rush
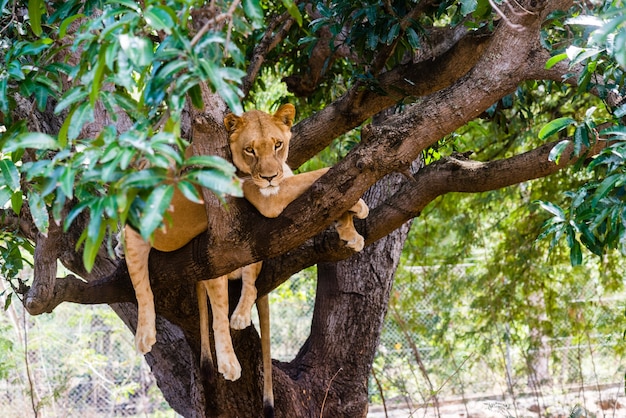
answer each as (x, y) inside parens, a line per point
(463, 74)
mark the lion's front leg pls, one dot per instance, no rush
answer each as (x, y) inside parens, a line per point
(137, 253)
(241, 317)
(345, 225)
(271, 206)
(360, 209)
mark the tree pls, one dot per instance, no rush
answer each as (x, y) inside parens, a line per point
(91, 89)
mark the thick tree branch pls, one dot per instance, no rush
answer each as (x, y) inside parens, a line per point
(432, 73)
(521, 53)
(45, 261)
(174, 274)
(455, 174)
(115, 288)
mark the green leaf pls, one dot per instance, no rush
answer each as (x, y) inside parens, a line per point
(67, 22)
(292, 9)
(553, 209)
(5, 195)
(127, 3)
(468, 6)
(253, 10)
(555, 60)
(620, 48)
(156, 205)
(67, 181)
(585, 20)
(74, 212)
(4, 98)
(581, 138)
(615, 130)
(576, 255)
(17, 200)
(195, 93)
(34, 15)
(605, 187)
(92, 246)
(216, 181)
(142, 179)
(160, 18)
(210, 161)
(35, 140)
(62, 136)
(139, 50)
(413, 38)
(393, 33)
(82, 115)
(38, 211)
(555, 126)
(96, 82)
(34, 48)
(190, 192)
(70, 97)
(10, 174)
(557, 150)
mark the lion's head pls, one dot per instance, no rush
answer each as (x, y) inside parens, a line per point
(259, 143)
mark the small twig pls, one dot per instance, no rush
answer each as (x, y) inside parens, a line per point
(525, 11)
(217, 19)
(380, 390)
(328, 390)
(10, 20)
(506, 19)
(433, 395)
(456, 371)
(269, 41)
(28, 372)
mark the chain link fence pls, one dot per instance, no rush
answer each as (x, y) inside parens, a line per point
(432, 363)
(80, 361)
(76, 362)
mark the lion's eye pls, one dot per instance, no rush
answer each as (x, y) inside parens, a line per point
(278, 145)
(249, 150)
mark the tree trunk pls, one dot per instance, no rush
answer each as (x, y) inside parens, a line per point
(328, 377)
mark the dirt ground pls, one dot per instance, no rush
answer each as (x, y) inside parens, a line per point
(608, 402)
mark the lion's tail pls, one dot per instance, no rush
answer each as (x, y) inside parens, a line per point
(206, 360)
(263, 308)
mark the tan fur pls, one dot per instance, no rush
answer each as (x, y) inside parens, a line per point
(259, 144)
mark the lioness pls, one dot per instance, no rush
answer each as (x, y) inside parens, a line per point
(259, 143)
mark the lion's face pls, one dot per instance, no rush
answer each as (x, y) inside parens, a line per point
(259, 143)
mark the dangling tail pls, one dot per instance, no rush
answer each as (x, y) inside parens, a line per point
(206, 360)
(263, 308)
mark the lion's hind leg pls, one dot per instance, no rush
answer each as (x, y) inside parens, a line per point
(137, 253)
(227, 363)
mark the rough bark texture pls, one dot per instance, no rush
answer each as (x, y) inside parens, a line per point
(457, 77)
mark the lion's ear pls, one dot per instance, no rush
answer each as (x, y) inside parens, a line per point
(231, 121)
(286, 113)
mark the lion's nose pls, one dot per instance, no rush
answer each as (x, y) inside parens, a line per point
(269, 178)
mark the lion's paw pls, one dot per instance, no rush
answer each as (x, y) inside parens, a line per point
(360, 209)
(357, 243)
(145, 338)
(229, 366)
(240, 320)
